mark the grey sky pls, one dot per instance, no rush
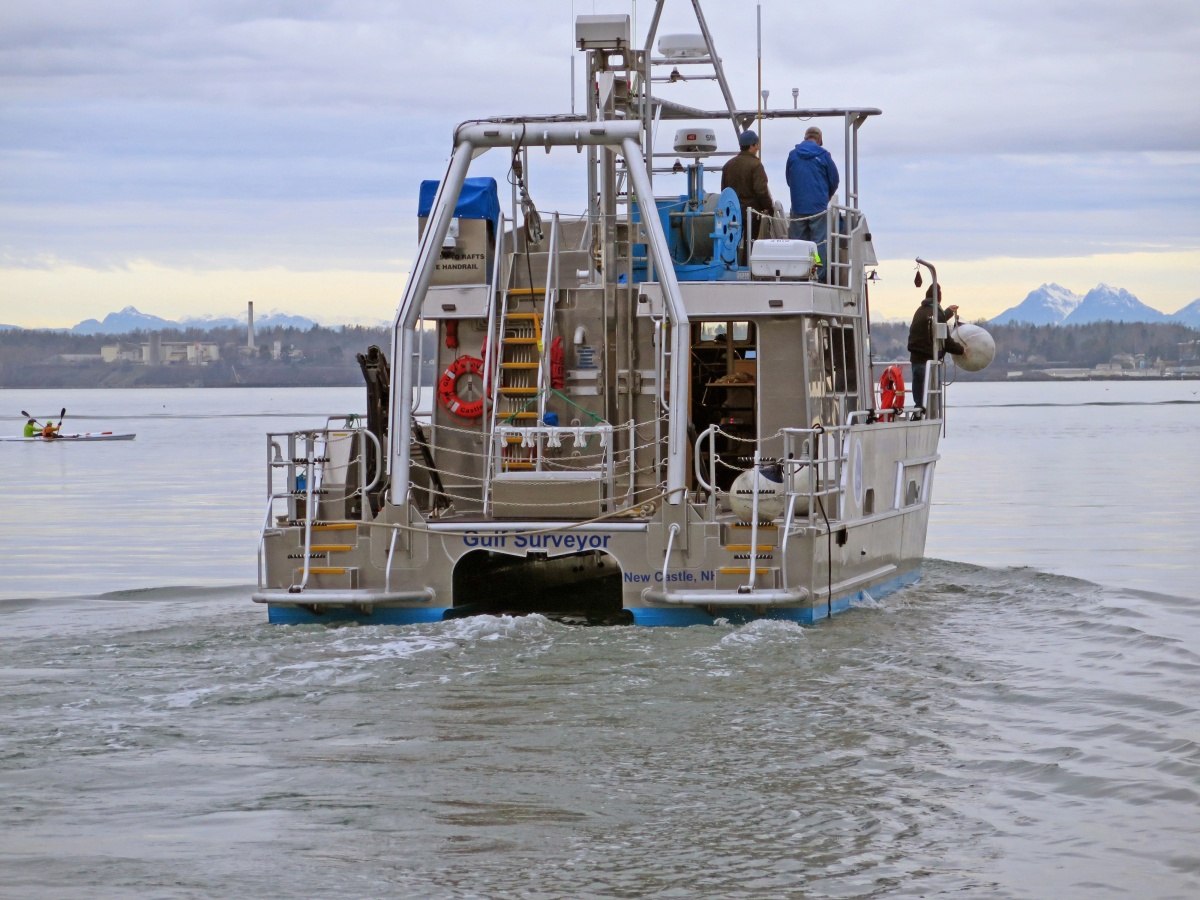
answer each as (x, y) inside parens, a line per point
(257, 134)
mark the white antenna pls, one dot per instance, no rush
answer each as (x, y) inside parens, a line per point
(760, 106)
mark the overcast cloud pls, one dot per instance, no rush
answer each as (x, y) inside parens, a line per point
(253, 135)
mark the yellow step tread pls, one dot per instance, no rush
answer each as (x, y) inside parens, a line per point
(331, 548)
(522, 341)
(335, 526)
(745, 548)
(327, 570)
(518, 391)
(519, 365)
(525, 292)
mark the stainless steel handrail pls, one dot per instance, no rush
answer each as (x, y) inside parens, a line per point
(674, 530)
(490, 419)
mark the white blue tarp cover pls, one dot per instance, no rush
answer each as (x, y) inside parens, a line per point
(478, 199)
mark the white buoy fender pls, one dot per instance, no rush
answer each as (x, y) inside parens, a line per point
(772, 496)
(980, 348)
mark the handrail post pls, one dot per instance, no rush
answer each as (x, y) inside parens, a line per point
(549, 302)
(409, 311)
(749, 586)
(387, 573)
(310, 449)
(490, 402)
(709, 486)
(674, 530)
(656, 242)
(363, 503)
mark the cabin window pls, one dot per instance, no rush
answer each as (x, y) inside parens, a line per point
(913, 485)
(832, 370)
(711, 331)
(912, 493)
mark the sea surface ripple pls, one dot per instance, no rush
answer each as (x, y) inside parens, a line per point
(985, 733)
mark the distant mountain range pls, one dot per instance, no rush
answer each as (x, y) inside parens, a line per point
(131, 319)
(1053, 304)
(1050, 304)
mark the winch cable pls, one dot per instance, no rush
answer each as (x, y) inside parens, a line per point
(828, 558)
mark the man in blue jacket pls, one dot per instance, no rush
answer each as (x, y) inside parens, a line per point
(813, 178)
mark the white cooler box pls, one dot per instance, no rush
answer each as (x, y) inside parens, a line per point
(782, 258)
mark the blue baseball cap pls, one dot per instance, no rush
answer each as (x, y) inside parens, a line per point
(748, 138)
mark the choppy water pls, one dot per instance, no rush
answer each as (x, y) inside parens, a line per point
(995, 731)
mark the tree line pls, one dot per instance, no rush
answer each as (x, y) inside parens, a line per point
(314, 356)
(1025, 347)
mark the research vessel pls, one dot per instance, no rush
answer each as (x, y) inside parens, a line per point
(640, 414)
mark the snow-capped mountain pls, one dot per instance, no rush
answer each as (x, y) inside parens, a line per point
(207, 321)
(123, 322)
(1048, 305)
(1189, 315)
(1108, 304)
(273, 319)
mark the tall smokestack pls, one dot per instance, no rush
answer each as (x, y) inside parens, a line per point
(250, 324)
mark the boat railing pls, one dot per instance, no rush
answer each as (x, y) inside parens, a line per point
(813, 466)
(837, 259)
(315, 467)
(933, 402)
(840, 222)
(493, 343)
(549, 302)
(818, 454)
(542, 438)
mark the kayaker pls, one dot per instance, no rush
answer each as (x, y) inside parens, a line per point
(31, 428)
(50, 431)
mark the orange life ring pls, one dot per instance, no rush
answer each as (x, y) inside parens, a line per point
(891, 388)
(448, 387)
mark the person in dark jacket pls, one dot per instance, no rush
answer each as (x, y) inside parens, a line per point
(921, 341)
(813, 178)
(746, 175)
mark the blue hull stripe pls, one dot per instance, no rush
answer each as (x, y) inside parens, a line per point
(690, 615)
(385, 615)
(648, 616)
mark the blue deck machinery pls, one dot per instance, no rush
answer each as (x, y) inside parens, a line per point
(704, 230)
